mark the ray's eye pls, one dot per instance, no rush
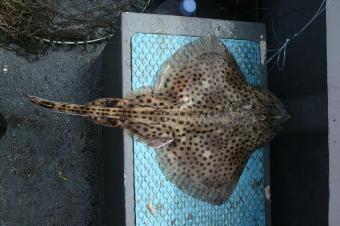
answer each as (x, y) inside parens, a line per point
(164, 119)
(262, 117)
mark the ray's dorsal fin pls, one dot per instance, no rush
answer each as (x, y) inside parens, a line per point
(108, 102)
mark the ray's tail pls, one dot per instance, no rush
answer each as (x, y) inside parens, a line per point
(104, 111)
(74, 109)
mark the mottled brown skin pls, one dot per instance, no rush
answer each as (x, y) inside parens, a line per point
(201, 116)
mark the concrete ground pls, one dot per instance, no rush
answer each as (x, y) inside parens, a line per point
(50, 164)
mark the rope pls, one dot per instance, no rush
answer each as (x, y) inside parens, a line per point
(88, 41)
(281, 53)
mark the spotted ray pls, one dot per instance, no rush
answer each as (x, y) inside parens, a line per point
(202, 117)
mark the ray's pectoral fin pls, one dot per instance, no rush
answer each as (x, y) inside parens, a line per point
(150, 134)
(202, 71)
(206, 167)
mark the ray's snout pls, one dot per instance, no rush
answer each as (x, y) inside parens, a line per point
(281, 113)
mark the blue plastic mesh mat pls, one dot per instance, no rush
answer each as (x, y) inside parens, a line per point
(158, 201)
